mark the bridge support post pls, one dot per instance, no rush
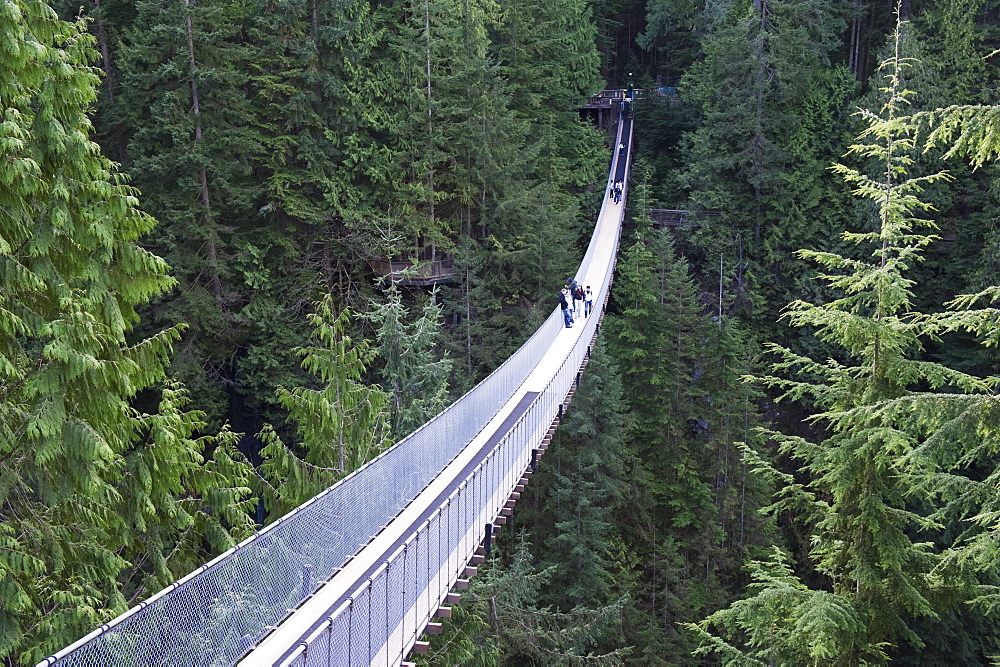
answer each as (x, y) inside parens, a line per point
(534, 460)
(559, 415)
(488, 538)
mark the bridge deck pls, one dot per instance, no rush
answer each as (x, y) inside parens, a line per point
(390, 580)
(280, 646)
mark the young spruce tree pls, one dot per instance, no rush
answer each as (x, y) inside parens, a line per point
(339, 425)
(881, 492)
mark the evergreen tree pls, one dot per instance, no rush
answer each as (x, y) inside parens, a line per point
(500, 623)
(101, 503)
(548, 54)
(766, 94)
(901, 435)
(681, 371)
(414, 374)
(339, 425)
(585, 493)
(183, 75)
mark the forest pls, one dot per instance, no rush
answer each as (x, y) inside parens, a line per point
(785, 449)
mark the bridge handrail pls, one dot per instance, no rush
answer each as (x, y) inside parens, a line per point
(215, 613)
(386, 606)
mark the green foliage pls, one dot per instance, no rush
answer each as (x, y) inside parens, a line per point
(585, 492)
(901, 432)
(182, 96)
(414, 373)
(101, 503)
(814, 627)
(499, 623)
(340, 425)
(765, 95)
(690, 518)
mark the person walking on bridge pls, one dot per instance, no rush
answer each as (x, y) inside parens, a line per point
(564, 300)
(588, 302)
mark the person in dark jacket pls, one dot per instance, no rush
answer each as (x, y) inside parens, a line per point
(564, 302)
(577, 301)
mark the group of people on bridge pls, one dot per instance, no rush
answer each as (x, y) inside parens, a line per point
(572, 298)
(616, 191)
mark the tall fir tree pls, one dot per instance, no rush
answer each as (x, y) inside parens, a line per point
(901, 435)
(338, 426)
(184, 81)
(688, 408)
(765, 94)
(101, 503)
(586, 492)
(414, 371)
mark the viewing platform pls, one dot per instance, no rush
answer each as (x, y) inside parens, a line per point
(423, 273)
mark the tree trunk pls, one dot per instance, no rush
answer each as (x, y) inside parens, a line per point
(109, 79)
(430, 111)
(212, 251)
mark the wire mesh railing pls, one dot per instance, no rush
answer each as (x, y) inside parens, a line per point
(358, 632)
(383, 618)
(214, 615)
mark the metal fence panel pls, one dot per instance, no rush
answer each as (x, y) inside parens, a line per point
(215, 614)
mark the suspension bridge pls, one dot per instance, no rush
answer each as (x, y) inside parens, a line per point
(358, 574)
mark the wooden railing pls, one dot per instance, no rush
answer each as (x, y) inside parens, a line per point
(424, 272)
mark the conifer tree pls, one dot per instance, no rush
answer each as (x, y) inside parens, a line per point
(586, 493)
(681, 371)
(339, 425)
(549, 55)
(766, 95)
(101, 503)
(324, 102)
(880, 486)
(500, 622)
(184, 98)
(414, 374)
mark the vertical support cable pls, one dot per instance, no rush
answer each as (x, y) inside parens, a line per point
(387, 629)
(402, 631)
(350, 628)
(450, 525)
(329, 640)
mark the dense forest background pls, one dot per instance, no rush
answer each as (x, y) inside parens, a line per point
(784, 450)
